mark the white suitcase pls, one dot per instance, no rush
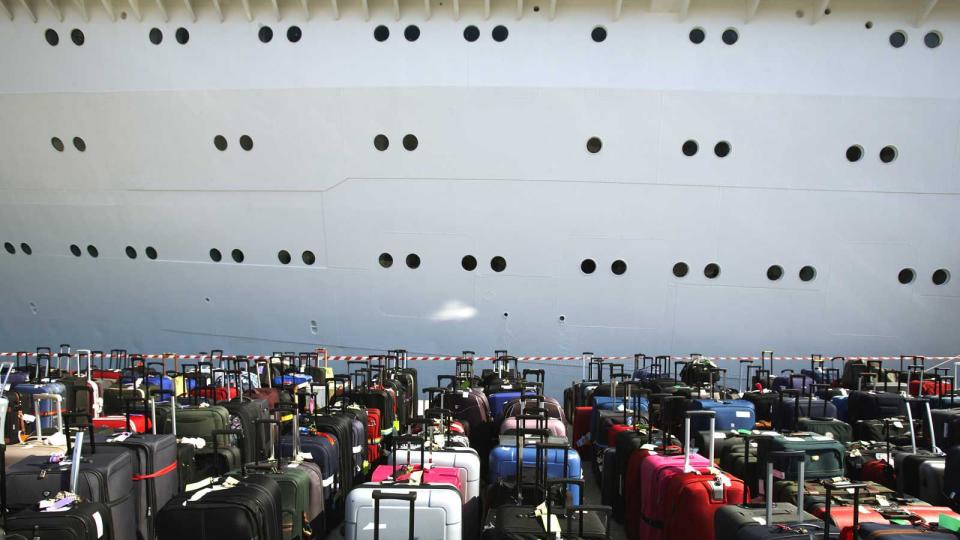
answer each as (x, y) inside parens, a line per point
(403, 512)
(468, 461)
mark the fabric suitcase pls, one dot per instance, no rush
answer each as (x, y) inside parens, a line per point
(322, 449)
(930, 387)
(946, 427)
(226, 509)
(864, 405)
(790, 410)
(887, 531)
(824, 455)
(837, 430)
(764, 403)
(403, 513)
(79, 521)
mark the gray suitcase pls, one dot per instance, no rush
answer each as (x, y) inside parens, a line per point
(931, 483)
(403, 512)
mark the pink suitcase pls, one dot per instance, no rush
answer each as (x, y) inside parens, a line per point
(655, 474)
(431, 475)
(555, 426)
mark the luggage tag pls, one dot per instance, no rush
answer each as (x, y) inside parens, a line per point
(120, 437)
(541, 512)
(58, 505)
(29, 418)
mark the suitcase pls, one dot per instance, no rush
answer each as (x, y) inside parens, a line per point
(790, 411)
(402, 473)
(220, 453)
(403, 512)
(824, 455)
(690, 498)
(946, 427)
(887, 531)
(764, 404)
(736, 414)
(554, 426)
(321, 449)
(40, 444)
(44, 410)
(514, 463)
(907, 463)
(104, 477)
(868, 405)
(930, 489)
(894, 430)
(581, 430)
(748, 520)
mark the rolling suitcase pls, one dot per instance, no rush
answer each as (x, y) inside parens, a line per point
(821, 423)
(403, 513)
(824, 455)
(40, 444)
(505, 461)
(907, 463)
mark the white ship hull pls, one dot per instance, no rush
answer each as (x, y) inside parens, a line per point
(501, 169)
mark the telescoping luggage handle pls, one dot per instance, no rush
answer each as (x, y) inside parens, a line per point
(627, 401)
(830, 485)
(58, 407)
(686, 436)
(786, 455)
(379, 495)
(928, 419)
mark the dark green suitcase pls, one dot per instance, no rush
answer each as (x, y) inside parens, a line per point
(824, 455)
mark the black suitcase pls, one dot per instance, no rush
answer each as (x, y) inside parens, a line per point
(105, 477)
(764, 403)
(864, 405)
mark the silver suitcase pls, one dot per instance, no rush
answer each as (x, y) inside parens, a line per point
(403, 512)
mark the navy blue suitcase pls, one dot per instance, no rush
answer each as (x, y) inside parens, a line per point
(735, 414)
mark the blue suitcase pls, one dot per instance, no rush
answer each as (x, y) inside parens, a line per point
(292, 379)
(735, 414)
(322, 448)
(786, 414)
(499, 400)
(47, 414)
(503, 463)
(840, 402)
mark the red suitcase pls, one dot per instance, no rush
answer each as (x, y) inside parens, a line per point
(581, 431)
(930, 387)
(138, 423)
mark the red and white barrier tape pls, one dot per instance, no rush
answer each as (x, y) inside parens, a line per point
(519, 358)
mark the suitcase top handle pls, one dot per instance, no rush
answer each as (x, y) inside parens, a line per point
(712, 415)
(584, 508)
(379, 495)
(830, 485)
(786, 455)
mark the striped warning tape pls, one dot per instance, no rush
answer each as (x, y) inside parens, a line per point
(519, 358)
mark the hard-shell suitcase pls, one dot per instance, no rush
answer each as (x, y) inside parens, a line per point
(735, 414)
(404, 512)
(930, 489)
(824, 455)
(581, 429)
(40, 444)
(556, 427)
(45, 409)
(907, 463)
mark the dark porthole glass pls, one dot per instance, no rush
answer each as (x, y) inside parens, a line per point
(690, 148)
(711, 271)
(906, 276)
(469, 263)
(284, 256)
(9, 247)
(807, 273)
(412, 32)
(265, 34)
(775, 272)
(680, 269)
(888, 154)
(898, 39)
(151, 253)
(182, 35)
(131, 252)
(220, 142)
(294, 33)
(410, 142)
(588, 266)
(594, 144)
(76, 35)
(381, 142)
(237, 256)
(722, 149)
(618, 267)
(599, 34)
(57, 144)
(156, 36)
(26, 249)
(854, 153)
(308, 258)
(697, 35)
(940, 276)
(52, 37)
(730, 36)
(246, 142)
(79, 144)
(215, 255)
(92, 251)
(471, 33)
(933, 39)
(381, 33)
(413, 261)
(498, 264)
(75, 249)
(500, 33)
(386, 260)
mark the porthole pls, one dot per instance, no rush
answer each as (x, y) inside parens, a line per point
(156, 36)
(386, 260)
(854, 153)
(215, 255)
(697, 35)
(92, 251)
(151, 253)
(799, 13)
(775, 272)
(898, 39)
(52, 37)
(412, 32)
(868, 25)
(9, 247)
(246, 142)
(500, 33)
(827, 11)
(469, 263)
(26, 249)
(941, 276)
(680, 269)
(711, 271)
(690, 148)
(294, 33)
(237, 256)
(498, 264)
(76, 35)
(410, 142)
(721, 149)
(75, 249)
(599, 34)
(730, 36)
(265, 34)
(381, 142)
(906, 276)
(594, 144)
(182, 35)
(131, 252)
(413, 261)
(471, 33)
(79, 144)
(933, 39)
(308, 258)
(220, 142)
(381, 33)
(283, 256)
(618, 267)
(588, 266)
(807, 273)
(888, 154)
(57, 144)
